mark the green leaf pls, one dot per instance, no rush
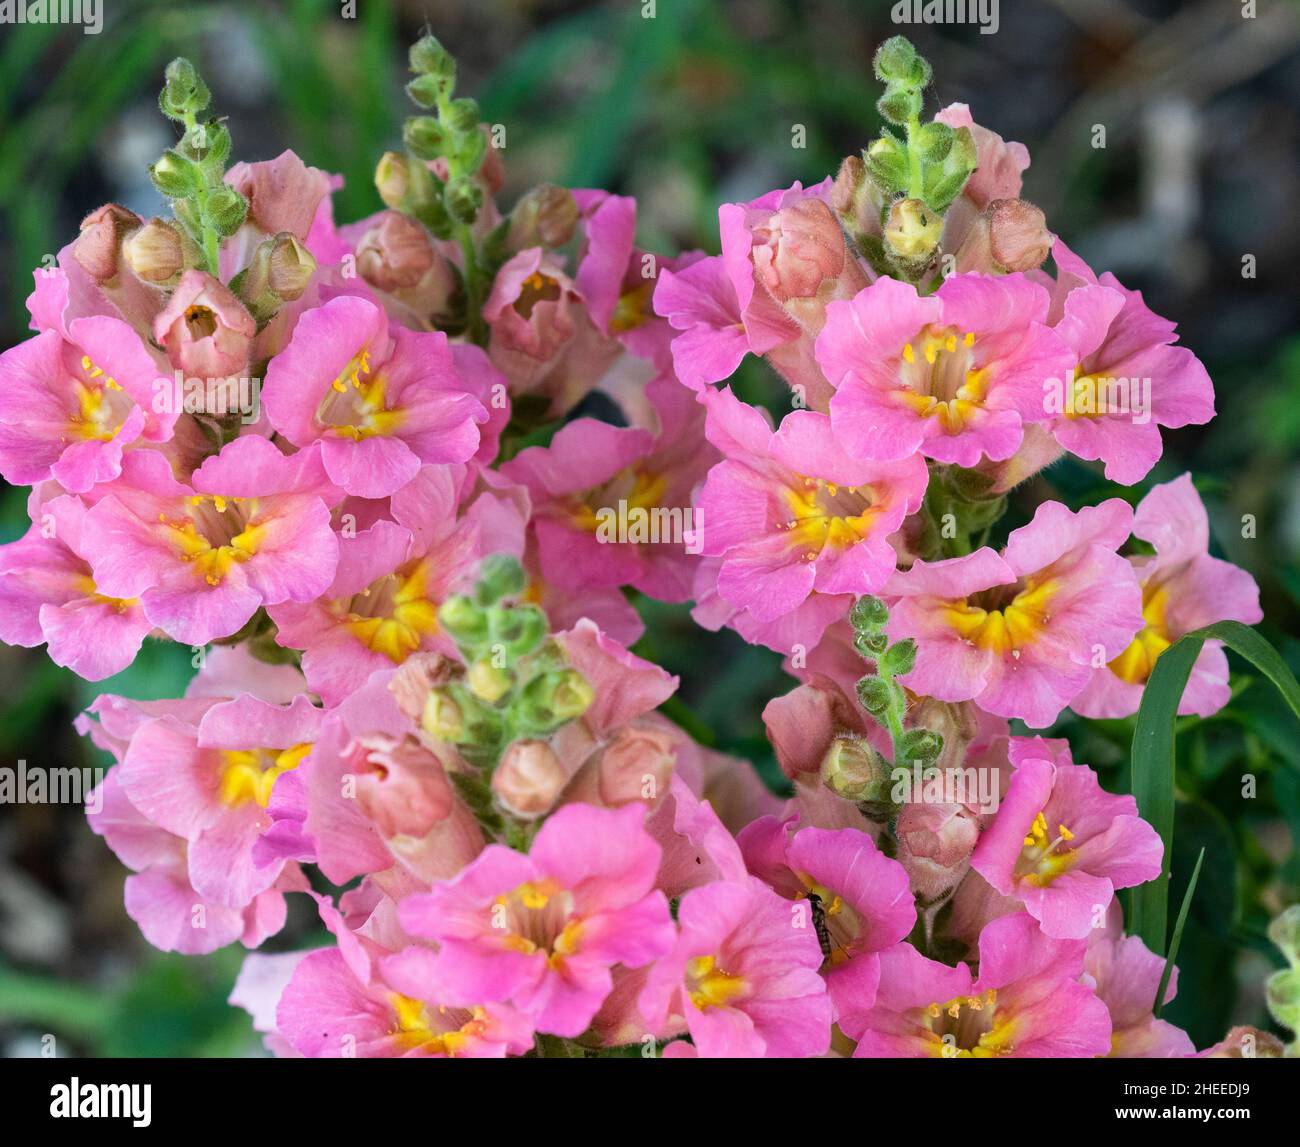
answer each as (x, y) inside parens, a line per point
(1153, 752)
(1178, 936)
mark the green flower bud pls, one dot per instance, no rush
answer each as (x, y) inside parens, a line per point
(912, 231)
(550, 699)
(499, 575)
(868, 614)
(875, 694)
(922, 745)
(175, 176)
(898, 105)
(225, 210)
(462, 115)
(854, 770)
(442, 718)
(471, 149)
(870, 645)
(487, 682)
(1285, 933)
(520, 629)
(425, 136)
(899, 658)
(428, 56)
(464, 198)
(427, 90)
(463, 620)
(184, 92)
(392, 179)
(934, 141)
(895, 60)
(886, 163)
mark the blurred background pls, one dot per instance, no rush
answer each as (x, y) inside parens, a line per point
(695, 106)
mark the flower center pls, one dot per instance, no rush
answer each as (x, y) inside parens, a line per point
(445, 1033)
(708, 986)
(101, 404)
(355, 406)
(214, 534)
(941, 379)
(537, 288)
(394, 613)
(1043, 859)
(827, 515)
(250, 774)
(1134, 665)
(967, 1027)
(1005, 628)
(537, 916)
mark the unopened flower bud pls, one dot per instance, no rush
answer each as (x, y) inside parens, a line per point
(396, 254)
(175, 176)
(225, 210)
(855, 771)
(400, 784)
(899, 658)
(487, 682)
(425, 136)
(636, 765)
(155, 252)
(98, 246)
(1009, 235)
(555, 697)
(797, 249)
(935, 842)
(529, 779)
(868, 614)
(912, 232)
(290, 268)
(466, 622)
(920, 745)
(875, 694)
(442, 718)
(520, 629)
(392, 178)
(427, 56)
(546, 216)
(499, 575)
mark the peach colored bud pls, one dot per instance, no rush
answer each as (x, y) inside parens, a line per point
(546, 216)
(935, 842)
(392, 178)
(637, 765)
(396, 253)
(290, 267)
(155, 252)
(529, 779)
(401, 786)
(797, 249)
(98, 246)
(856, 200)
(1009, 235)
(415, 678)
(204, 329)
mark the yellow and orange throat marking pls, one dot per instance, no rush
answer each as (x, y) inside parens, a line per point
(1005, 630)
(250, 774)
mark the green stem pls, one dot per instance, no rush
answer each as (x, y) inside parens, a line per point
(914, 183)
(208, 237)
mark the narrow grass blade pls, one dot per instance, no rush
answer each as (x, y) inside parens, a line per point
(1177, 937)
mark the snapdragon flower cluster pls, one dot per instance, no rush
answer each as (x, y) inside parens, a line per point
(406, 571)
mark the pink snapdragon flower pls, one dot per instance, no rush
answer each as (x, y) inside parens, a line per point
(382, 604)
(801, 526)
(741, 979)
(700, 301)
(1126, 380)
(250, 529)
(70, 405)
(205, 330)
(380, 399)
(48, 594)
(209, 782)
(1019, 632)
(954, 375)
(1026, 1003)
(160, 895)
(1183, 588)
(543, 931)
(612, 505)
(1126, 977)
(859, 902)
(327, 1010)
(1062, 844)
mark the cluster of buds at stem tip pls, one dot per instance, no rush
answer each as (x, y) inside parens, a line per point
(1282, 990)
(905, 181)
(516, 683)
(449, 137)
(192, 174)
(885, 700)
